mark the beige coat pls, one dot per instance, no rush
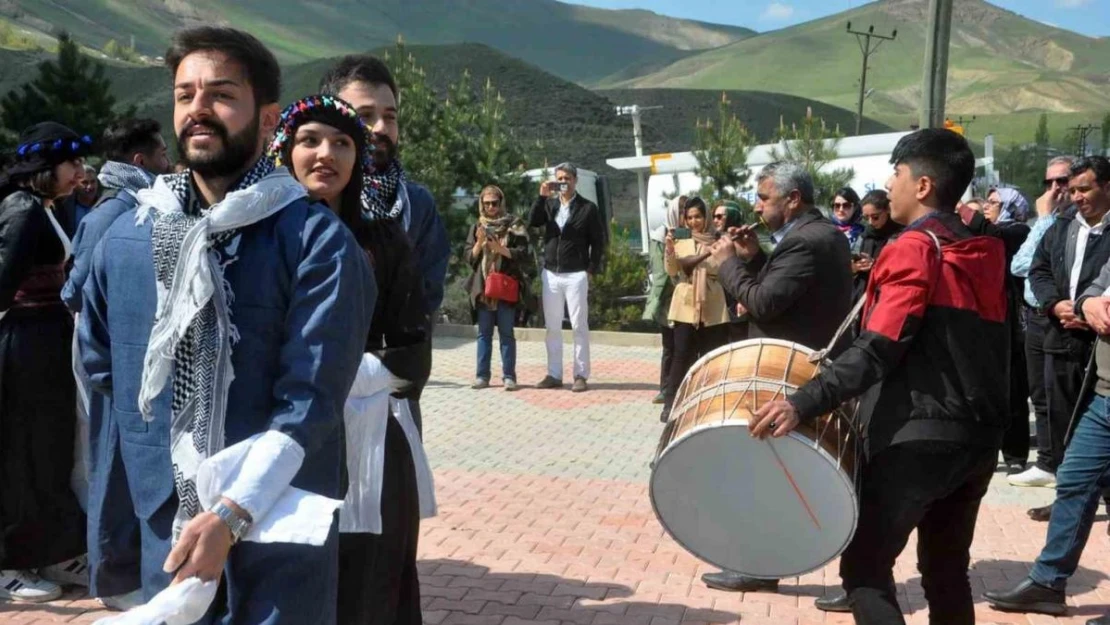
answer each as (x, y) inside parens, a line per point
(714, 310)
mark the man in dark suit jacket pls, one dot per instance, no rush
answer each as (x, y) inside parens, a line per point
(801, 292)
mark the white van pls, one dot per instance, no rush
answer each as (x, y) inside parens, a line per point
(673, 174)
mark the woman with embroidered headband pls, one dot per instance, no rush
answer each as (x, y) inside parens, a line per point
(41, 520)
(328, 149)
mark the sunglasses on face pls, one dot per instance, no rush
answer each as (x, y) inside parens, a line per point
(718, 216)
(841, 205)
(1062, 181)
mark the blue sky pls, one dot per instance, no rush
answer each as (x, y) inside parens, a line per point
(1089, 17)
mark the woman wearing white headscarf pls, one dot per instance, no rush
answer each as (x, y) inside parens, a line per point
(662, 288)
(1007, 209)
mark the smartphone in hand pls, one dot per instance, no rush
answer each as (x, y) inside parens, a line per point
(681, 233)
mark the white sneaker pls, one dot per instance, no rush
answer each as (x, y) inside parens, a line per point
(123, 603)
(73, 572)
(27, 587)
(1033, 476)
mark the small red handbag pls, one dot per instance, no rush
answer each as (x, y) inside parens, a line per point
(500, 286)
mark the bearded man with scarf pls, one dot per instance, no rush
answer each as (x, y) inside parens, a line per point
(221, 314)
(135, 153)
(366, 82)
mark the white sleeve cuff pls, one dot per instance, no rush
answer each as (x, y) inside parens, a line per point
(373, 377)
(267, 470)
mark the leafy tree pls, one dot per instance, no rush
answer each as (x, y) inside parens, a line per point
(1041, 138)
(1071, 142)
(72, 90)
(124, 53)
(13, 39)
(625, 276)
(112, 49)
(813, 145)
(1023, 167)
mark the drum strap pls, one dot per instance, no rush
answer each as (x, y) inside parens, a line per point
(819, 356)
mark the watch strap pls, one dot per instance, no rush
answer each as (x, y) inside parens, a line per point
(237, 524)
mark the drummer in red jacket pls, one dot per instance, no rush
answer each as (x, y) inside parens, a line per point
(930, 369)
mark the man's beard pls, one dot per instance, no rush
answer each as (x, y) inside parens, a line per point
(385, 151)
(235, 155)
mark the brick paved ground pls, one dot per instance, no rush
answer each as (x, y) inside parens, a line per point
(544, 517)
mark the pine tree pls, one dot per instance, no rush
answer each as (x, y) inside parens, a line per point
(721, 149)
(497, 156)
(814, 146)
(1041, 138)
(72, 90)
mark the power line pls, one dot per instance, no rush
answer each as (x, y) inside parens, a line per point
(1081, 133)
(864, 39)
(960, 121)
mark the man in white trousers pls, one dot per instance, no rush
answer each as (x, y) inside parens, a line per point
(573, 242)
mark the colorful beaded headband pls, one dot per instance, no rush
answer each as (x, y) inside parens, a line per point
(294, 114)
(76, 147)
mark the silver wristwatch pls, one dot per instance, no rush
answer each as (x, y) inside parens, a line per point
(237, 524)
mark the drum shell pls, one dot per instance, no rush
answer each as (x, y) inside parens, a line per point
(723, 390)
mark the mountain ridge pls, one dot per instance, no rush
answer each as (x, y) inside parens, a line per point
(1000, 62)
(576, 42)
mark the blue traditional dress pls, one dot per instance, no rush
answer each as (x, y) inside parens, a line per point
(206, 328)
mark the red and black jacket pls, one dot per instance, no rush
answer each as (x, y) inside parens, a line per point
(932, 361)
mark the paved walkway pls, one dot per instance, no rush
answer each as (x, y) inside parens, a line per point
(544, 517)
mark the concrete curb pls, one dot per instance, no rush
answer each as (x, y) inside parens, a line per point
(617, 339)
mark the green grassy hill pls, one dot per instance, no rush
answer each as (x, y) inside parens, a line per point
(575, 42)
(1000, 63)
(555, 119)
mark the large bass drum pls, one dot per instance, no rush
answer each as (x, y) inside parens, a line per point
(779, 507)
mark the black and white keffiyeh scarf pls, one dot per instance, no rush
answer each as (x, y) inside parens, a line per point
(380, 197)
(125, 176)
(192, 336)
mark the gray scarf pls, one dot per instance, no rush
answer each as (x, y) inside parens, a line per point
(192, 336)
(124, 176)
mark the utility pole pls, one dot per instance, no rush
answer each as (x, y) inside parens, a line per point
(934, 82)
(638, 137)
(864, 40)
(960, 121)
(1081, 133)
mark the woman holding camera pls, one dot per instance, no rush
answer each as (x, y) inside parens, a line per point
(698, 313)
(496, 249)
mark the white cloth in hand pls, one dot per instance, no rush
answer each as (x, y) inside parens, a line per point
(180, 604)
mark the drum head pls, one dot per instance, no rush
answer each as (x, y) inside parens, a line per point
(769, 509)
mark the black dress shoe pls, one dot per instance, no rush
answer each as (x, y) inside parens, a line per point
(836, 603)
(1028, 596)
(1040, 514)
(1102, 620)
(735, 582)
